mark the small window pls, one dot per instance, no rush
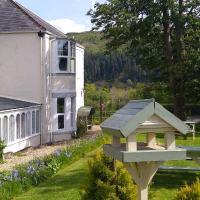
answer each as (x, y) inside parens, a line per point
(63, 64)
(61, 122)
(60, 105)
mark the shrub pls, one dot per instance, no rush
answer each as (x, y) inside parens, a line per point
(81, 128)
(189, 192)
(2, 147)
(108, 184)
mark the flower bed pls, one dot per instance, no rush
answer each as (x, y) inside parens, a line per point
(36, 171)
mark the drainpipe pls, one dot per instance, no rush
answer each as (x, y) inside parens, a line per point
(50, 90)
(42, 71)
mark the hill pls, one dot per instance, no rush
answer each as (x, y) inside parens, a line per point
(115, 66)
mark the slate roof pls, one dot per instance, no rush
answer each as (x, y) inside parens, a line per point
(127, 119)
(10, 104)
(16, 18)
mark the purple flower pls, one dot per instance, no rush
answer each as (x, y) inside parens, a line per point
(68, 154)
(15, 174)
(57, 152)
(30, 170)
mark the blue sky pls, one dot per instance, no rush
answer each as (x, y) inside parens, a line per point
(67, 15)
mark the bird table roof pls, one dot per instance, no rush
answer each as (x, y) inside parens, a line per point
(130, 117)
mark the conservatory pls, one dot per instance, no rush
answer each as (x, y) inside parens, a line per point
(19, 124)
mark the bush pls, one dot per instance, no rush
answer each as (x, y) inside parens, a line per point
(2, 147)
(108, 184)
(81, 128)
(189, 192)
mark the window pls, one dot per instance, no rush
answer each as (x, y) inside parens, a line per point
(37, 121)
(63, 64)
(5, 129)
(33, 123)
(11, 128)
(23, 125)
(66, 51)
(60, 105)
(18, 126)
(28, 124)
(62, 48)
(61, 112)
(61, 122)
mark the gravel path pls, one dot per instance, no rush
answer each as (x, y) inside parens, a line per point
(29, 154)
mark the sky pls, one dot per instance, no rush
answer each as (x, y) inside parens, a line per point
(66, 15)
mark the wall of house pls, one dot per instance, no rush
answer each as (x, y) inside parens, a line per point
(20, 63)
(79, 77)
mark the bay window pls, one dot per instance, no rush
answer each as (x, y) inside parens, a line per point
(66, 55)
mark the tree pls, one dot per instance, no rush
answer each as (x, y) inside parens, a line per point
(162, 35)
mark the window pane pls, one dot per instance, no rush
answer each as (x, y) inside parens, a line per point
(18, 126)
(62, 64)
(72, 65)
(11, 128)
(28, 124)
(72, 49)
(33, 122)
(60, 105)
(23, 125)
(62, 48)
(37, 121)
(60, 121)
(5, 129)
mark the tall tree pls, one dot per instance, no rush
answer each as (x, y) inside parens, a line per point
(162, 34)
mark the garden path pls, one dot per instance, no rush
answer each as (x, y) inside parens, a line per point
(22, 157)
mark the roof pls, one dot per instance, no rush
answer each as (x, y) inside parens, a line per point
(130, 117)
(10, 104)
(16, 18)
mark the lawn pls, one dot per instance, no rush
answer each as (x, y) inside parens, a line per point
(69, 183)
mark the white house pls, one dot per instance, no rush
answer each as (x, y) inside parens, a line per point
(41, 79)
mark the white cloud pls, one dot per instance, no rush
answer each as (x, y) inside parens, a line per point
(67, 25)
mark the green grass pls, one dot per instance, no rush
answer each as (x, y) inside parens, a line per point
(69, 182)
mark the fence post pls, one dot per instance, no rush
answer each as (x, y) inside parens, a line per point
(101, 108)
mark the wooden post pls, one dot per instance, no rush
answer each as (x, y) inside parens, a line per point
(151, 139)
(101, 108)
(116, 141)
(170, 142)
(131, 143)
(142, 173)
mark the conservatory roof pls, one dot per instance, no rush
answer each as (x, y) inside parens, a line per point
(143, 113)
(10, 104)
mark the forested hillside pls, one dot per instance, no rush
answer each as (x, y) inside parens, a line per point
(113, 66)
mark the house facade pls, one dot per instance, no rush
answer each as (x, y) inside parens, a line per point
(41, 80)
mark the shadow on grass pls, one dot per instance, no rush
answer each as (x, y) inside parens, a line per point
(168, 179)
(72, 180)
